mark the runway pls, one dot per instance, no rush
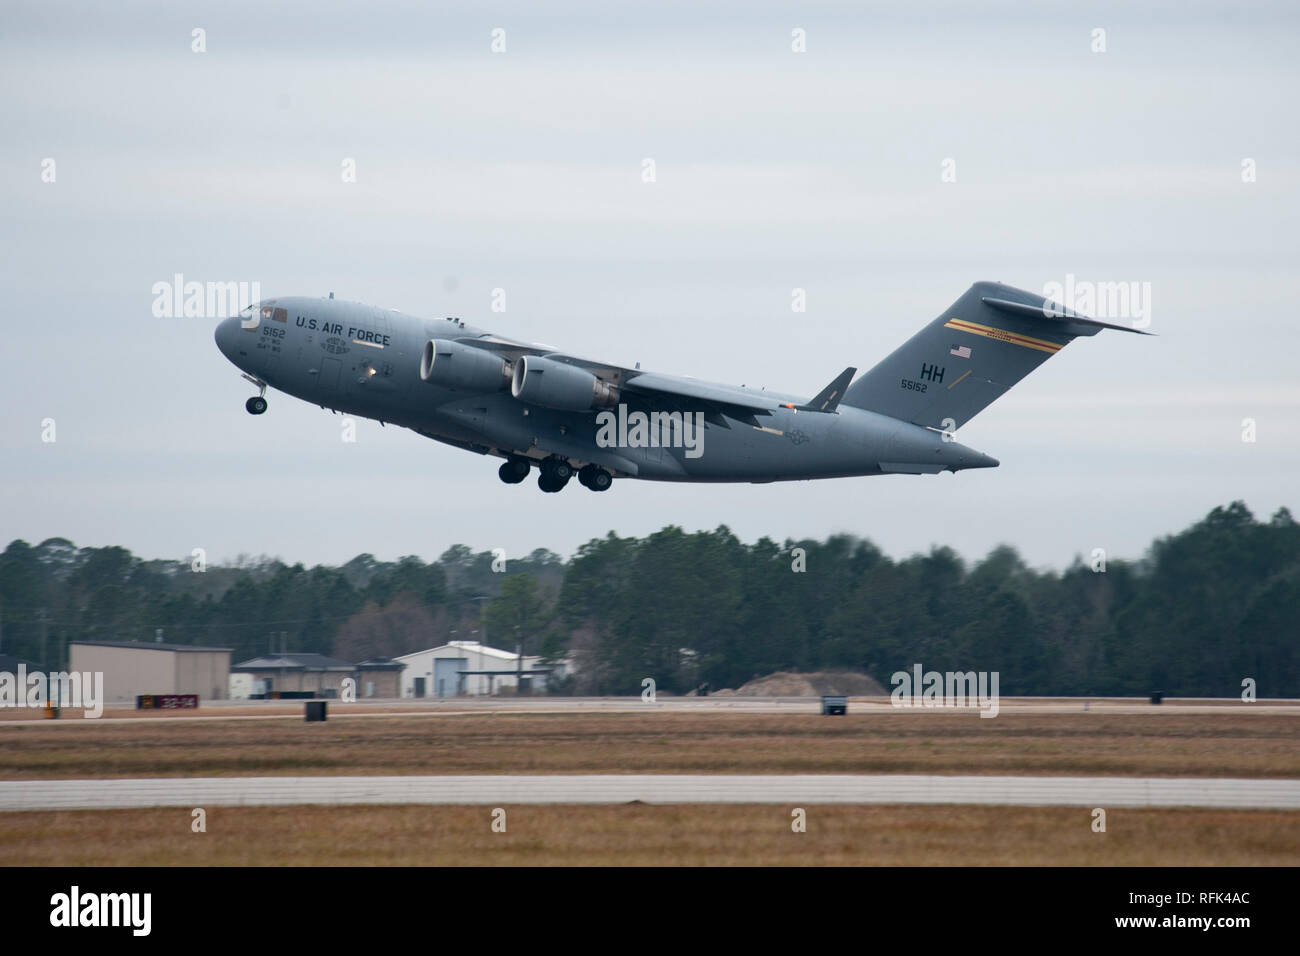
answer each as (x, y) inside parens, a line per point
(32, 718)
(787, 789)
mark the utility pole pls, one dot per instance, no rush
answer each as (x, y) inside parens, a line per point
(519, 662)
(482, 621)
(284, 642)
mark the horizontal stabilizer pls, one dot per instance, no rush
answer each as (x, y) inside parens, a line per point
(1058, 313)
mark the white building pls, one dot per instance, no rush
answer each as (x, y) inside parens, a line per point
(466, 668)
(244, 686)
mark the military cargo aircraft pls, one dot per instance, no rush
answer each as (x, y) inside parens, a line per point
(533, 405)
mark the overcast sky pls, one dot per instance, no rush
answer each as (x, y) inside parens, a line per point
(522, 170)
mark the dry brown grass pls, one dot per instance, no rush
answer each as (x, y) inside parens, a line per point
(651, 835)
(1232, 743)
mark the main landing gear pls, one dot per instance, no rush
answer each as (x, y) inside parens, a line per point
(554, 473)
(514, 470)
(595, 478)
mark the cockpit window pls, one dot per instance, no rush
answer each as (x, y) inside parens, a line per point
(269, 311)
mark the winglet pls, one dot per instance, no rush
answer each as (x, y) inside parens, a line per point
(828, 399)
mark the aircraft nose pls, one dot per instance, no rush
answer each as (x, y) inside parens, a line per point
(227, 334)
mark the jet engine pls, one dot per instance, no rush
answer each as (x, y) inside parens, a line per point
(453, 365)
(551, 384)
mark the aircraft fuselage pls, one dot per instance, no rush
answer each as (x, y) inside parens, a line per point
(365, 361)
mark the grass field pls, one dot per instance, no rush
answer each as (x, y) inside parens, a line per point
(1234, 743)
(650, 835)
(1154, 743)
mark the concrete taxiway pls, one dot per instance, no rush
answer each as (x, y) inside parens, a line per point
(452, 706)
(790, 789)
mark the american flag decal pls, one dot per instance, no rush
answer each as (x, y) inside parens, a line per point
(961, 351)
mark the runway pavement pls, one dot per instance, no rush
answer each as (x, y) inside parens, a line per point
(788, 789)
(453, 706)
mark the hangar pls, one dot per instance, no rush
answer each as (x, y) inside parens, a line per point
(467, 668)
(379, 677)
(131, 668)
(296, 673)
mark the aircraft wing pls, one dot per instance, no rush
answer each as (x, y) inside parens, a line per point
(688, 394)
(655, 383)
(685, 392)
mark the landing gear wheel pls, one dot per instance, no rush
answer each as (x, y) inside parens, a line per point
(595, 478)
(554, 474)
(255, 405)
(514, 470)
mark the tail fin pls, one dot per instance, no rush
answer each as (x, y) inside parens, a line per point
(959, 364)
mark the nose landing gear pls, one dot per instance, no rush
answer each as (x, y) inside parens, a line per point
(257, 404)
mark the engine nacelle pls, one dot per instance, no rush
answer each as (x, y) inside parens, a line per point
(551, 384)
(453, 365)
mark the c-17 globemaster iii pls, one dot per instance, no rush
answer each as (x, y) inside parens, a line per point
(535, 405)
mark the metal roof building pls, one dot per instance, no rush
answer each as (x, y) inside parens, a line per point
(380, 677)
(466, 668)
(132, 668)
(297, 672)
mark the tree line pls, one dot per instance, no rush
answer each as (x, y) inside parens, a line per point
(1201, 612)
